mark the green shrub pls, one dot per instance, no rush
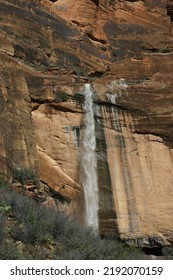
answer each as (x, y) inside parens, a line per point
(36, 224)
(30, 225)
(61, 96)
(94, 248)
(79, 98)
(3, 181)
(25, 174)
(10, 251)
(29, 232)
(40, 227)
(2, 226)
(22, 206)
(5, 208)
(87, 246)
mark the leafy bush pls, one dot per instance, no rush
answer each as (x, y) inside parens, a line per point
(25, 174)
(5, 208)
(30, 226)
(9, 251)
(2, 226)
(3, 181)
(36, 224)
(61, 96)
(22, 206)
(79, 98)
(91, 247)
(29, 232)
(39, 227)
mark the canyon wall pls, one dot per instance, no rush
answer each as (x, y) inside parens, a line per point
(124, 49)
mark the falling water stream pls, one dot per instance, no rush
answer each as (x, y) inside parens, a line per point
(89, 162)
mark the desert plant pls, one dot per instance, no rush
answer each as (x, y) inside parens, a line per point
(94, 248)
(38, 226)
(5, 208)
(3, 181)
(9, 251)
(22, 206)
(79, 98)
(2, 226)
(61, 96)
(30, 224)
(25, 174)
(84, 247)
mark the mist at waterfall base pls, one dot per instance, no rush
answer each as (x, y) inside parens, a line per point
(89, 162)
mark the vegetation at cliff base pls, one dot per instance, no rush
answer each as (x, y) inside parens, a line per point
(30, 231)
(22, 175)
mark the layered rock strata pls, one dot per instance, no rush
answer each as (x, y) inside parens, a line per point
(124, 49)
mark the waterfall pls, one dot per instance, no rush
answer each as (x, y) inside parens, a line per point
(89, 162)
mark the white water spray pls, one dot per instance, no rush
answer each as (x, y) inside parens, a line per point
(89, 162)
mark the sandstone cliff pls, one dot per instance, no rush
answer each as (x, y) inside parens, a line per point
(124, 49)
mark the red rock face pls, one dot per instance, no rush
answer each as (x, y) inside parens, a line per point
(48, 50)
